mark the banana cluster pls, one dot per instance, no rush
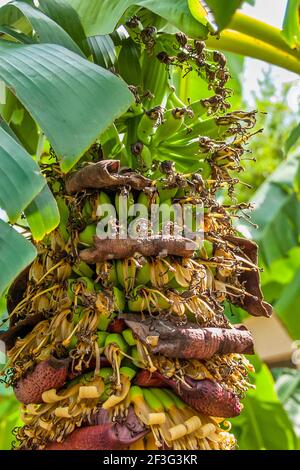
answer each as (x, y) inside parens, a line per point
(84, 375)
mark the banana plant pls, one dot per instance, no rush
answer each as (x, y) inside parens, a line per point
(113, 341)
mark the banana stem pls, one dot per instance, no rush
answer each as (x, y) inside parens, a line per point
(260, 30)
(233, 41)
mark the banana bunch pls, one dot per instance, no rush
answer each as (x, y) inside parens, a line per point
(114, 347)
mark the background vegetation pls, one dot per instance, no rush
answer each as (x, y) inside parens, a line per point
(271, 418)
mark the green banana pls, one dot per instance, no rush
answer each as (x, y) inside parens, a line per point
(139, 304)
(190, 149)
(118, 340)
(127, 372)
(146, 158)
(126, 273)
(123, 202)
(148, 124)
(86, 237)
(143, 275)
(209, 128)
(64, 217)
(87, 211)
(152, 401)
(101, 338)
(155, 78)
(104, 321)
(173, 120)
(119, 299)
(83, 269)
(128, 336)
(198, 109)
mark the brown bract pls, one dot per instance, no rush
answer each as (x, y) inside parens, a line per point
(104, 175)
(20, 329)
(190, 341)
(253, 304)
(206, 396)
(125, 248)
(46, 375)
(105, 435)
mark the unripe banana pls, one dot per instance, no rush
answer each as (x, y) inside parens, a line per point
(119, 299)
(208, 128)
(123, 202)
(191, 149)
(165, 399)
(173, 120)
(126, 273)
(128, 336)
(148, 124)
(86, 237)
(117, 340)
(143, 275)
(198, 110)
(165, 194)
(87, 211)
(152, 401)
(64, 217)
(83, 269)
(101, 338)
(104, 321)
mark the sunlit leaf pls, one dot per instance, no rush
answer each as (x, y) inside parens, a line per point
(291, 29)
(101, 16)
(42, 214)
(59, 89)
(21, 180)
(293, 138)
(288, 389)
(223, 11)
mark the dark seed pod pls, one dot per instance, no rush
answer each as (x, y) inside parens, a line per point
(47, 374)
(220, 59)
(181, 38)
(190, 342)
(199, 46)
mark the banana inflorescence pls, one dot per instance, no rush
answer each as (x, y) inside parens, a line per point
(123, 343)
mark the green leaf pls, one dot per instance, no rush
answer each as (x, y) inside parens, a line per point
(291, 29)
(223, 11)
(42, 214)
(198, 11)
(102, 16)
(59, 89)
(263, 412)
(63, 14)
(15, 253)
(9, 419)
(277, 213)
(103, 50)
(27, 132)
(21, 180)
(46, 30)
(12, 33)
(293, 138)
(5, 126)
(287, 382)
(235, 63)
